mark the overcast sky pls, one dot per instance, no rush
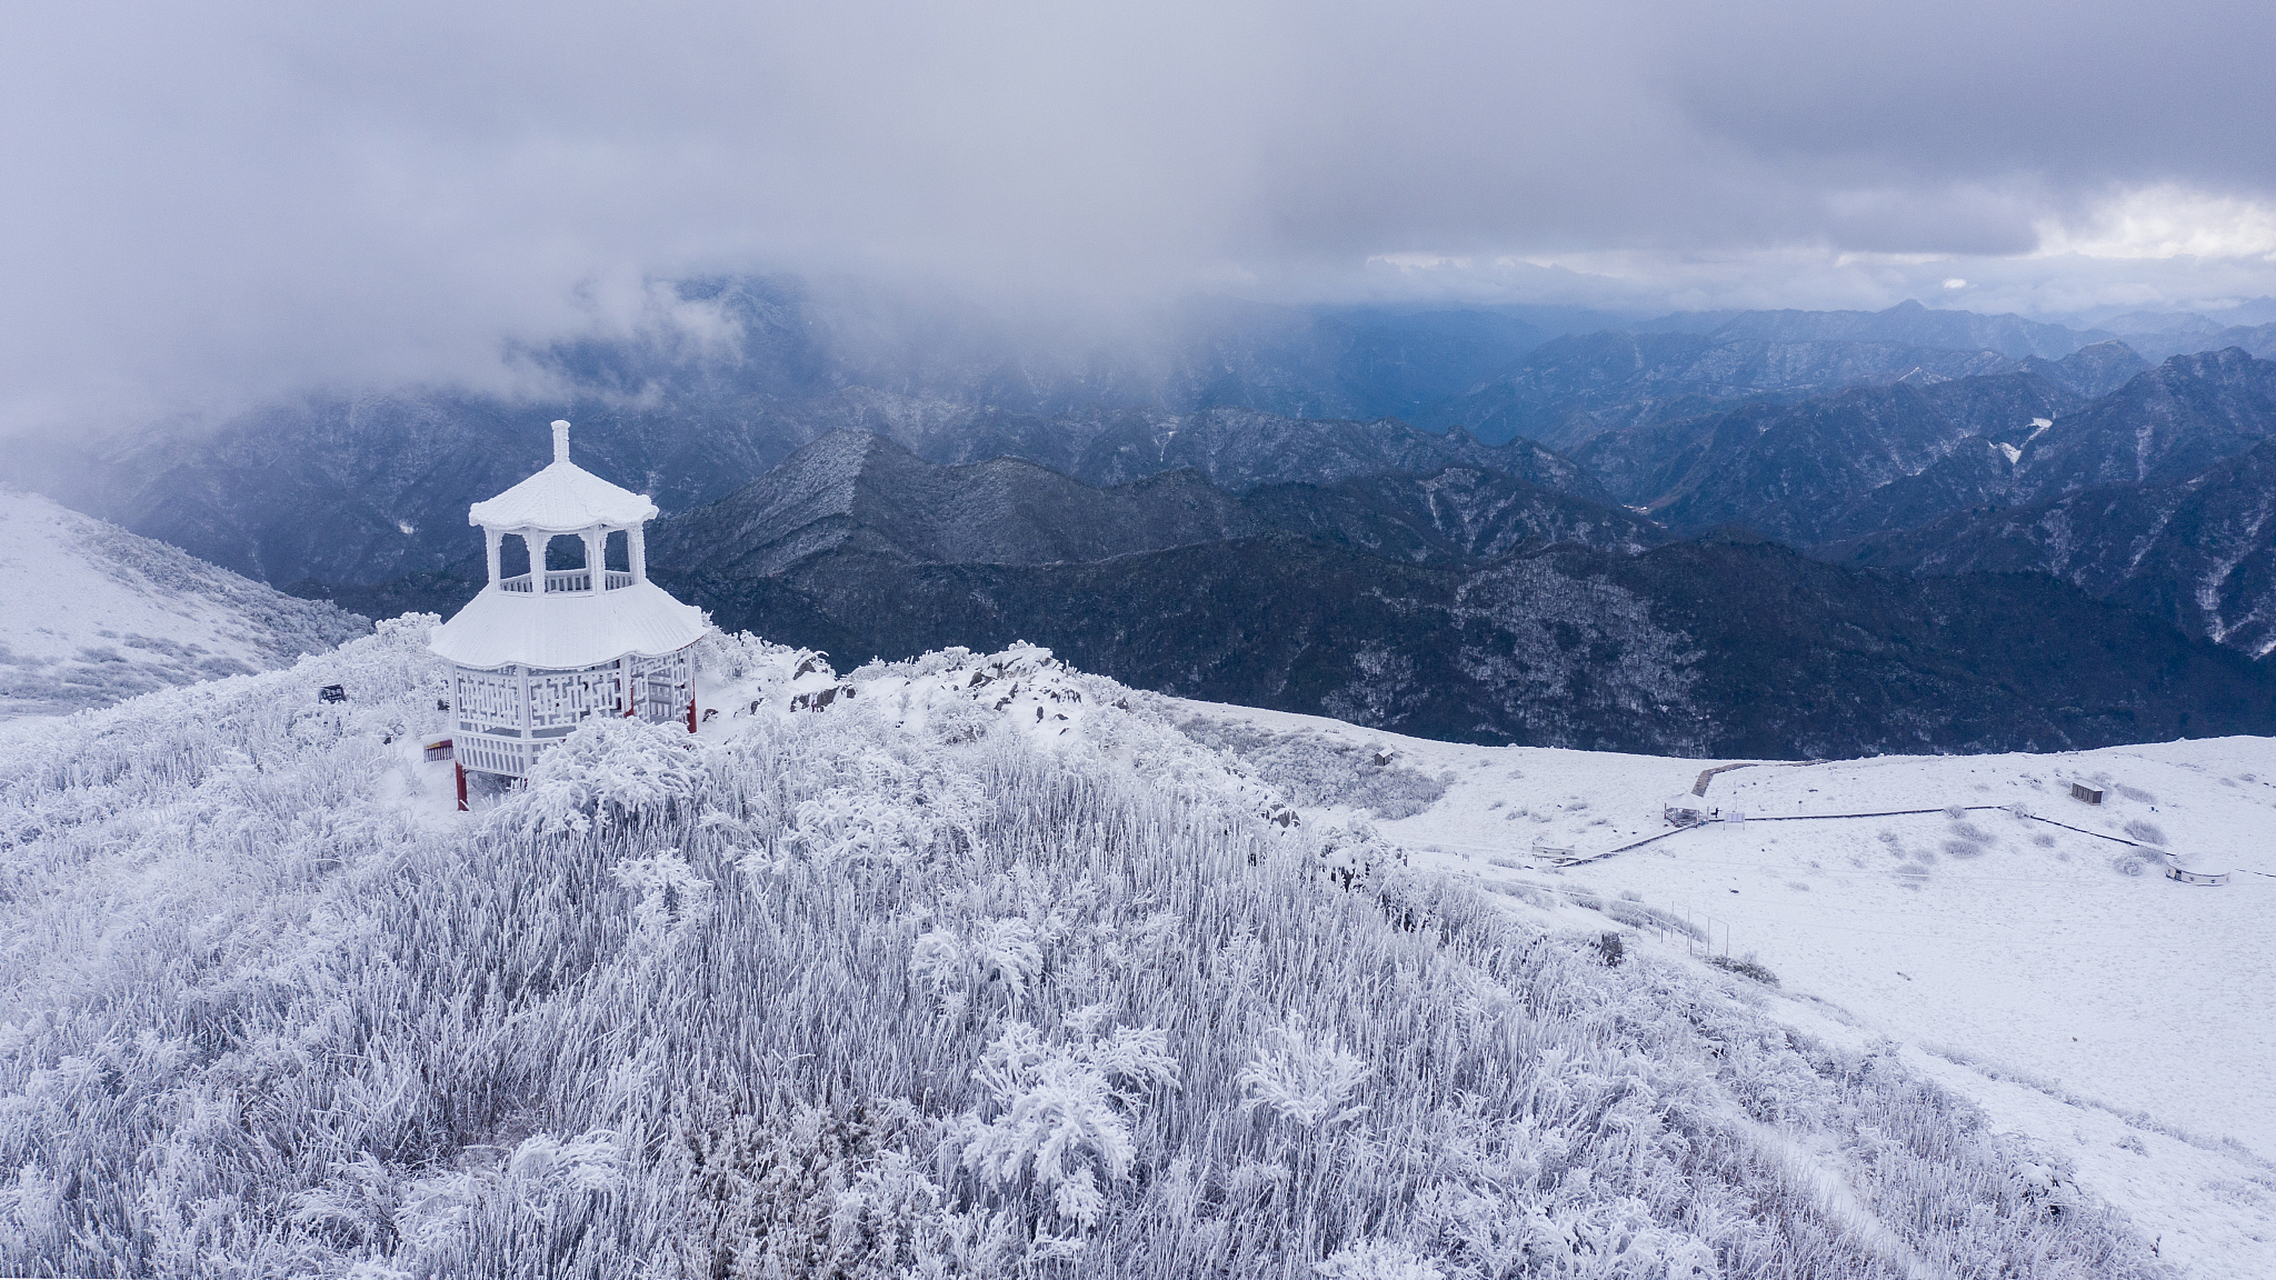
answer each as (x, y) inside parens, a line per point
(235, 198)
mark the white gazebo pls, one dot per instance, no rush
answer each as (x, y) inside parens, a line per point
(544, 650)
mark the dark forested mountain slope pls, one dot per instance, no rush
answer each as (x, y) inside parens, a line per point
(1394, 609)
(1698, 648)
(862, 493)
(2200, 553)
(1460, 513)
(1879, 459)
(1238, 449)
(2165, 425)
(327, 494)
(1800, 472)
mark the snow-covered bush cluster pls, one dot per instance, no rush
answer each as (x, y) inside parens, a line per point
(929, 981)
(1312, 772)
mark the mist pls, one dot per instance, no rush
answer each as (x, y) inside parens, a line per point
(228, 201)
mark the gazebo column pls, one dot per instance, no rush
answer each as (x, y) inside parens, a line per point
(636, 551)
(596, 559)
(493, 542)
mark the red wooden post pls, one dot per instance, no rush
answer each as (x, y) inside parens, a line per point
(461, 769)
(691, 715)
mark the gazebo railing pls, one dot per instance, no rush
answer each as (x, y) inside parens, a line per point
(557, 580)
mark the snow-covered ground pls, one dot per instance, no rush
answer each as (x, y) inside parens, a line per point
(255, 937)
(90, 614)
(2119, 1018)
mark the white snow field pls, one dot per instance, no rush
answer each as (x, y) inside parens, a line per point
(2058, 978)
(90, 614)
(978, 966)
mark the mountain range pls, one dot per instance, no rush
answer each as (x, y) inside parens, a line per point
(873, 496)
(346, 489)
(1379, 602)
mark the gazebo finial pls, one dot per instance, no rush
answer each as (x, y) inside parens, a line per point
(560, 440)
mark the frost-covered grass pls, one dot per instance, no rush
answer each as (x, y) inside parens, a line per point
(985, 969)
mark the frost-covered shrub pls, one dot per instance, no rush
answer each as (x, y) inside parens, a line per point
(609, 771)
(1352, 853)
(2129, 864)
(1301, 1075)
(2146, 832)
(1313, 771)
(673, 901)
(959, 962)
(1748, 967)
(1063, 1109)
(1638, 916)
(1963, 849)
(1377, 1260)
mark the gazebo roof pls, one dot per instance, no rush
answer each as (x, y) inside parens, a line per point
(566, 630)
(562, 498)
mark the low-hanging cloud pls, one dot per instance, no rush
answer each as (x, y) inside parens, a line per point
(238, 198)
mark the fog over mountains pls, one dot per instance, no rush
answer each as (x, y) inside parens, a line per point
(1482, 524)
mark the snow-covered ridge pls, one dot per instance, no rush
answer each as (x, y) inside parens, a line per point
(968, 966)
(90, 614)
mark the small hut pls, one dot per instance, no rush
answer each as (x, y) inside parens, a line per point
(541, 651)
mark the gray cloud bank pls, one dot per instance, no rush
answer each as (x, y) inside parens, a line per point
(237, 198)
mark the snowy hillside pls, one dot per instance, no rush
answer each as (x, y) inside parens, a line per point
(94, 614)
(969, 966)
(2025, 950)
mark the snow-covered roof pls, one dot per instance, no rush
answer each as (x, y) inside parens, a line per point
(562, 498)
(567, 629)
